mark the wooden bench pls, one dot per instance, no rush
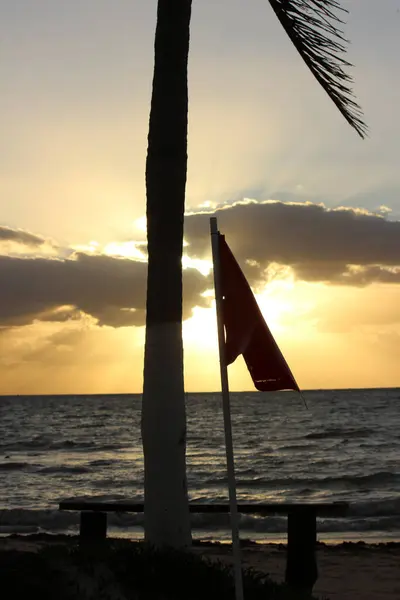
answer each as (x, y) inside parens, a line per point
(301, 563)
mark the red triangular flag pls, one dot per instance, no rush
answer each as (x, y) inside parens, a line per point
(246, 331)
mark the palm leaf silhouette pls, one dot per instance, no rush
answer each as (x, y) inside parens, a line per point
(313, 26)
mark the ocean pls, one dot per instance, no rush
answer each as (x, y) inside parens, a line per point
(346, 446)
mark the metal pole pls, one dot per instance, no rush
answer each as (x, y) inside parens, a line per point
(227, 413)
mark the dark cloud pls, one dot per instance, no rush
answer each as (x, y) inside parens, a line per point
(320, 244)
(19, 236)
(111, 290)
(339, 246)
(367, 275)
(61, 315)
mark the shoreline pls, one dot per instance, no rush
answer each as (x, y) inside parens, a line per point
(376, 542)
(15, 539)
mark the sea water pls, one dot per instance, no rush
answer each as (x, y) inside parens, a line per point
(345, 447)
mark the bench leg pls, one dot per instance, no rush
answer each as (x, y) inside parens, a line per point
(301, 566)
(93, 526)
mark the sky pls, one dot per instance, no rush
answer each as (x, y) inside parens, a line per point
(311, 211)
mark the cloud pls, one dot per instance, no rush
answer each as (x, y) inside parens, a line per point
(344, 246)
(19, 236)
(111, 290)
(320, 244)
(19, 242)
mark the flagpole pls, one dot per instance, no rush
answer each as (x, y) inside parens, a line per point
(227, 413)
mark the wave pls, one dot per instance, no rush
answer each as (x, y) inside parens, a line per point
(14, 466)
(64, 469)
(41, 443)
(340, 432)
(24, 529)
(278, 524)
(101, 462)
(292, 447)
(54, 521)
(261, 483)
(370, 480)
(50, 470)
(376, 508)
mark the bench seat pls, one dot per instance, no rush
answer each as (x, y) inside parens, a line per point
(301, 563)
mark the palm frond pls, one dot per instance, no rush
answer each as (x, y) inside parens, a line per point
(314, 28)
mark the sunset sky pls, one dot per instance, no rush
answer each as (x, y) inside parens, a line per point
(310, 210)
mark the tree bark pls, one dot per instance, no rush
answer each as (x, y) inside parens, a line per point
(167, 519)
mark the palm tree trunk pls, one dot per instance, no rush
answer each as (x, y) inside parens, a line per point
(167, 521)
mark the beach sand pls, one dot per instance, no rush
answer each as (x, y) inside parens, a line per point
(347, 571)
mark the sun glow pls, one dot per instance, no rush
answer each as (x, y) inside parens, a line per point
(141, 224)
(89, 248)
(285, 304)
(203, 266)
(201, 329)
(277, 301)
(125, 250)
(133, 250)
